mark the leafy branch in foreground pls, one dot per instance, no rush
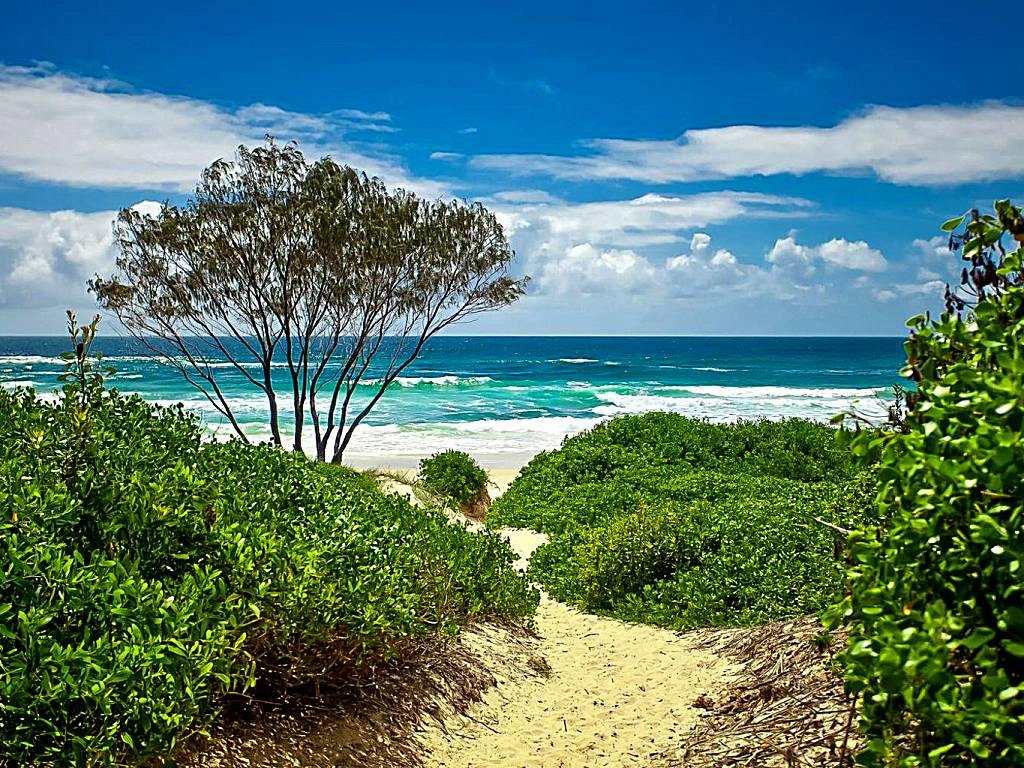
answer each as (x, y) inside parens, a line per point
(936, 650)
(312, 267)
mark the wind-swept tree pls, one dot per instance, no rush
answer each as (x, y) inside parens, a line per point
(314, 267)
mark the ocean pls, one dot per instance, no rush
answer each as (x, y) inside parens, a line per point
(502, 399)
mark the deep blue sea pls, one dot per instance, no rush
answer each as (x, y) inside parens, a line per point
(504, 398)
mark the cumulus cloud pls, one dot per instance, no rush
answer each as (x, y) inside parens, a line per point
(838, 252)
(925, 145)
(46, 257)
(710, 272)
(623, 246)
(586, 269)
(66, 129)
(616, 246)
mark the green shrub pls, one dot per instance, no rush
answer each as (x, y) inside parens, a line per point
(937, 604)
(453, 475)
(668, 520)
(146, 574)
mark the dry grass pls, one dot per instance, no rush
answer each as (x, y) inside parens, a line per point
(368, 720)
(786, 708)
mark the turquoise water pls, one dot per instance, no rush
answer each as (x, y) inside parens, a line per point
(502, 397)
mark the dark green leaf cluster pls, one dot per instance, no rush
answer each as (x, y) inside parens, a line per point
(453, 475)
(937, 601)
(145, 574)
(669, 520)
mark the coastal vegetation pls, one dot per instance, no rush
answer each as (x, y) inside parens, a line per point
(148, 575)
(454, 476)
(683, 523)
(936, 653)
(313, 269)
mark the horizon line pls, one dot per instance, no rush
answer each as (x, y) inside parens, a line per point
(564, 336)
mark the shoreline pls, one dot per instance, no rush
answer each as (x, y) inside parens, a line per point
(500, 462)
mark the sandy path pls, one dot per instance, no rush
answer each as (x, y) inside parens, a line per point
(617, 695)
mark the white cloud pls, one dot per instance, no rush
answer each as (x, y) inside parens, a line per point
(788, 253)
(857, 255)
(935, 247)
(700, 241)
(925, 145)
(46, 257)
(610, 246)
(585, 269)
(931, 289)
(723, 258)
(647, 220)
(701, 273)
(526, 196)
(67, 129)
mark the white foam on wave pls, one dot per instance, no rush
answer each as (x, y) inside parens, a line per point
(31, 360)
(574, 360)
(715, 406)
(714, 369)
(431, 381)
(492, 437)
(773, 392)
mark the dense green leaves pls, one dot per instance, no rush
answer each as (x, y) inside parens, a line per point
(144, 574)
(453, 475)
(678, 522)
(937, 624)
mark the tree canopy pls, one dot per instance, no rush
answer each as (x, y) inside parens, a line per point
(314, 266)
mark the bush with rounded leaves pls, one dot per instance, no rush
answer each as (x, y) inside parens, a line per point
(936, 606)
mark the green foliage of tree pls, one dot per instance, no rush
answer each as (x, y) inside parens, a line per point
(936, 607)
(315, 267)
(453, 475)
(146, 574)
(673, 521)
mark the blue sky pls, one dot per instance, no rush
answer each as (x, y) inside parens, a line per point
(660, 168)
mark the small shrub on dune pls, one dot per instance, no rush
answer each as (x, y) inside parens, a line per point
(454, 476)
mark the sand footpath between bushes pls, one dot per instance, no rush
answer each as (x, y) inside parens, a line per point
(610, 694)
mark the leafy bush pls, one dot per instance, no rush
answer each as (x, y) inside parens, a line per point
(145, 574)
(937, 602)
(453, 475)
(669, 520)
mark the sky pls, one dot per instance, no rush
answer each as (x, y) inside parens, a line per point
(677, 168)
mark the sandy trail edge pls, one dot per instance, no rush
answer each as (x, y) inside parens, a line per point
(616, 695)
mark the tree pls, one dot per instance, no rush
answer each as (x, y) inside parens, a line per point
(314, 267)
